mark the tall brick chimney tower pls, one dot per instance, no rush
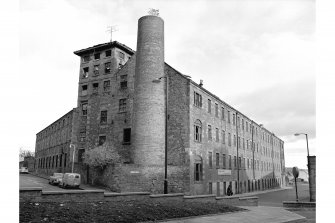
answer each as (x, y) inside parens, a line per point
(149, 110)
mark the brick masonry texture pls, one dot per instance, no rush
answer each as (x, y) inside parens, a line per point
(142, 158)
(149, 113)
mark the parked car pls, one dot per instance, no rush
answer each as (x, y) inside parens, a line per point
(56, 178)
(23, 170)
(70, 180)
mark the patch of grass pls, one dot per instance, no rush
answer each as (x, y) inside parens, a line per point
(121, 211)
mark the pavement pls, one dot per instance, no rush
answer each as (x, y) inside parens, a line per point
(260, 214)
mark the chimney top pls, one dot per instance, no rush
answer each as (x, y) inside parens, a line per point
(201, 83)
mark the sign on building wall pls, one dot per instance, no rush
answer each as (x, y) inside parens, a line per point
(224, 172)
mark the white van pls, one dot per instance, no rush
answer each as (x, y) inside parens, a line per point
(70, 180)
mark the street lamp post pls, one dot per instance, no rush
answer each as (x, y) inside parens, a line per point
(308, 165)
(74, 150)
(166, 122)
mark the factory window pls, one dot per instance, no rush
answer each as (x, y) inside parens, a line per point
(229, 139)
(97, 56)
(95, 88)
(126, 136)
(80, 155)
(56, 161)
(228, 116)
(243, 143)
(209, 132)
(240, 162)
(107, 85)
(239, 142)
(243, 165)
(82, 135)
(242, 124)
(102, 140)
(224, 161)
(123, 82)
(103, 117)
(223, 137)
(96, 69)
(210, 157)
(85, 72)
(108, 53)
(233, 119)
(229, 161)
(121, 55)
(216, 110)
(235, 164)
(198, 168)
(238, 121)
(86, 58)
(197, 131)
(234, 140)
(83, 90)
(107, 67)
(246, 126)
(197, 100)
(84, 107)
(209, 106)
(217, 163)
(122, 105)
(65, 159)
(210, 187)
(217, 135)
(222, 113)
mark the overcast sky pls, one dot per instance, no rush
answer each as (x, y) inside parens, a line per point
(256, 55)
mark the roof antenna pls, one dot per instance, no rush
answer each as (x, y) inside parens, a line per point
(112, 29)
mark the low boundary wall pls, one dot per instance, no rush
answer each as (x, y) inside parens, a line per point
(37, 195)
(294, 204)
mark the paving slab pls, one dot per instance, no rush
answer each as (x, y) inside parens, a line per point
(260, 214)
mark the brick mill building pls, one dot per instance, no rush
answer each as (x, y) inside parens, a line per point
(210, 144)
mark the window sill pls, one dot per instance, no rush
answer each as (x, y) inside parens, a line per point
(198, 182)
(120, 112)
(126, 143)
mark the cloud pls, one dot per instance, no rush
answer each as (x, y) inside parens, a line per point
(282, 108)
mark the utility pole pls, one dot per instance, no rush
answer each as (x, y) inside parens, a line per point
(238, 160)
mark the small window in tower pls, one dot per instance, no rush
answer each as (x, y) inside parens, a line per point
(108, 67)
(84, 90)
(126, 135)
(85, 72)
(103, 117)
(80, 155)
(122, 105)
(97, 56)
(82, 135)
(95, 88)
(108, 53)
(86, 58)
(121, 55)
(102, 140)
(84, 107)
(107, 85)
(96, 69)
(123, 82)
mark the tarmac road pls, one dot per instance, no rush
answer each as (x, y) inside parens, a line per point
(28, 180)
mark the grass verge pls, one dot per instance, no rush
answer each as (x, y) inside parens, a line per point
(121, 211)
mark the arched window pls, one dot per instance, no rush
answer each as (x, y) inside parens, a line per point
(197, 130)
(197, 168)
